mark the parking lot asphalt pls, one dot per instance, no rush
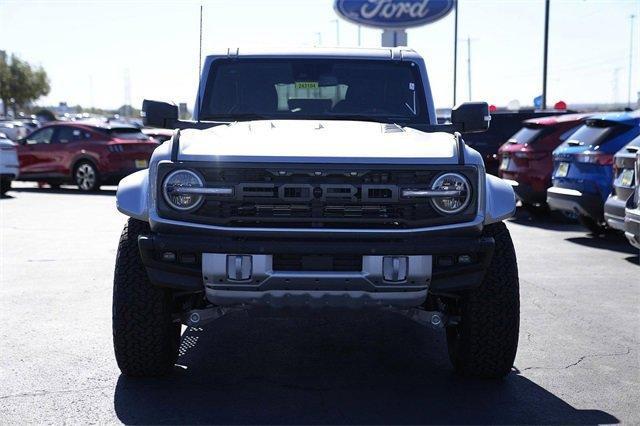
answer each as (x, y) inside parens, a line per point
(578, 360)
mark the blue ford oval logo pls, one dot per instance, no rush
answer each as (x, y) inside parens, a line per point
(393, 13)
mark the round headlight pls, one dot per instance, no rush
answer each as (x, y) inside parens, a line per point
(176, 190)
(454, 203)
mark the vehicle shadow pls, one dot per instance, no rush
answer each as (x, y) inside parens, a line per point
(73, 191)
(323, 368)
(613, 241)
(552, 221)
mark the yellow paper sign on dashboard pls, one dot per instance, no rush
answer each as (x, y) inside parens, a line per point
(307, 85)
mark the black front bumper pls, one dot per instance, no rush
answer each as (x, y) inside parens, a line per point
(185, 272)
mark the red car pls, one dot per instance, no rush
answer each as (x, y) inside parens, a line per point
(87, 155)
(526, 160)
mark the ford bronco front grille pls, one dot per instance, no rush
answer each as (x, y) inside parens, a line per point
(318, 196)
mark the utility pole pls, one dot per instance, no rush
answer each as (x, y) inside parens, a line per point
(469, 65)
(91, 91)
(455, 51)
(631, 22)
(319, 38)
(337, 21)
(546, 52)
(616, 72)
(359, 35)
(127, 93)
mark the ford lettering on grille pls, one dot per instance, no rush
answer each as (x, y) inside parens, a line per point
(322, 192)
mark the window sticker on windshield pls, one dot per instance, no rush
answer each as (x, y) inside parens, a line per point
(307, 85)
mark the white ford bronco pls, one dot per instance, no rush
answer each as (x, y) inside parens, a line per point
(316, 178)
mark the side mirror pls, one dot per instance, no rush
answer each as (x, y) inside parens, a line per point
(159, 114)
(471, 117)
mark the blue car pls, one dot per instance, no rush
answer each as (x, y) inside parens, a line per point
(583, 166)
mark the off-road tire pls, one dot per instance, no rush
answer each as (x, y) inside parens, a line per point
(145, 337)
(484, 342)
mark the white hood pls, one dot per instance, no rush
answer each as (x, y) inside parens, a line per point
(316, 141)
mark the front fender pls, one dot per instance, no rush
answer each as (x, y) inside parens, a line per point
(501, 200)
(132, 195)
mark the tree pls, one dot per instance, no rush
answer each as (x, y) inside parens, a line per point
(20, 83)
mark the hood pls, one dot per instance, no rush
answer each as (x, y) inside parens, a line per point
(314, 141)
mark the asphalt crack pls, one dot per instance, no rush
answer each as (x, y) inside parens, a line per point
(49, 392)
(582, 358)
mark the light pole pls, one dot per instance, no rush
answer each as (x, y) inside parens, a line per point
(631, 22)
(469, 65)
(546, 51)
(455, 51)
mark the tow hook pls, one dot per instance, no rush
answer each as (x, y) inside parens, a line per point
(435, 319)
(198, 317)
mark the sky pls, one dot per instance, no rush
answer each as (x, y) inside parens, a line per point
(102, 53)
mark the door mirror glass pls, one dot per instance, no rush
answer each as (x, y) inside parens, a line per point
(159, 114)
(471, 117)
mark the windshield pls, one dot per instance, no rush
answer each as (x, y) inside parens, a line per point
(335, 89)
(526, 135)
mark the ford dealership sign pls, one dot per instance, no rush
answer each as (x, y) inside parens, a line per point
(393, 13)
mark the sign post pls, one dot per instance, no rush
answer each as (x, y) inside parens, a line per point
(393, 16)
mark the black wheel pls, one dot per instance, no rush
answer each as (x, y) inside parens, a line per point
(86, 176)
(594, 226)
(484, 342)
(5, 185)
(145, 336)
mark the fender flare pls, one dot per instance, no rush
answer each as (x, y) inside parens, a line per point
(500, 200)
(132, 195)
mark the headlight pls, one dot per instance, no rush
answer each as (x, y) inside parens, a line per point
(176, 190)
(451, 182)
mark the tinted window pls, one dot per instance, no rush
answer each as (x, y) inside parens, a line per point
(564, 136)
(71, 134)
(594, 132)
(526, 135)
(314, 89)
(128, 134)
(41, 136)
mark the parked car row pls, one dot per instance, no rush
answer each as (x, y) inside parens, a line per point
(87, 155)
(580, 164)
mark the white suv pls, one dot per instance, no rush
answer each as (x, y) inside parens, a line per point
(9, 167)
